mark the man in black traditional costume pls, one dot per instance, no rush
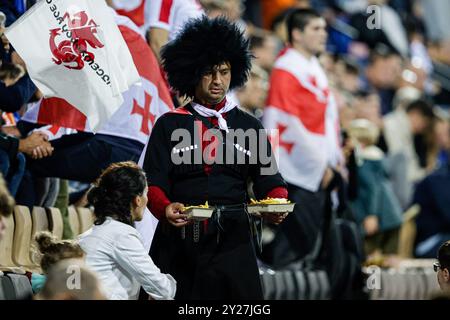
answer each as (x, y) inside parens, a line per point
(196, 155)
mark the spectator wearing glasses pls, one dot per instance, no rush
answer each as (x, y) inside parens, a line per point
(442, 266)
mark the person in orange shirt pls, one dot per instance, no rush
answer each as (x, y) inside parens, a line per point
(272, 8)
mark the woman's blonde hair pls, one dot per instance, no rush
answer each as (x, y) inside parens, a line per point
(53, 250)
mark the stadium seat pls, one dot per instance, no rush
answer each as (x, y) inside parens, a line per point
(74, 221)
(268, 283)
(406, 283)
(432, 285)
(290, 285)
(7, 291)
(324, 283)
(22, 236)
(39, 223)
(387, 285)
(2, 293)
(417, 285)
(56, 222)
(421, 286)
(86, 218)
(400, 284)
(6, 244)
(295, 284)
(280, 290)
(301, 284)
(408, 232)
(21, 285)
(314, 285)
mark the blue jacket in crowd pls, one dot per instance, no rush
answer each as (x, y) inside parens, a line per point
(433, 196)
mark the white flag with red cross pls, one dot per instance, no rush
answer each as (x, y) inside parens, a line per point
(74, 51)
(142, 105)
(302, 108)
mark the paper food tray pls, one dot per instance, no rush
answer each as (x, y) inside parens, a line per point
(199, 214)
(274, 208)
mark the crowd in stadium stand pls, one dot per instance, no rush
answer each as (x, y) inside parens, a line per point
(359, 91)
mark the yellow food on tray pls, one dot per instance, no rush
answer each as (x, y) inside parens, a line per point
(202, 206)
(271, 205)
(270, 201)
(199, 213)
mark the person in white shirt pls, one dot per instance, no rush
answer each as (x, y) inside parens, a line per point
(113, 247)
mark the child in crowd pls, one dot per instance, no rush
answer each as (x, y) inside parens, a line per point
(375, 207)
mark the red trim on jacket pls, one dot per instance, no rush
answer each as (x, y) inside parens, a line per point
(157, 202)
(278, 192)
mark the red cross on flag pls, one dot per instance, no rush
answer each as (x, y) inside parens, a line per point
(143, 102)
(300, 107)
(147, 116)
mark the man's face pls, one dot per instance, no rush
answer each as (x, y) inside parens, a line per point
(314, 37)
(385, 72)
(141, 204)
(368, 108)
(255, 92)
(442, 134)
(214, 84)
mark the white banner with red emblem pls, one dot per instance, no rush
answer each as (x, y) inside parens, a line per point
(73, 50)
(142, 105)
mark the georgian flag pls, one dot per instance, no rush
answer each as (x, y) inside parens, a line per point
(74, 51)
(143, 103)
(142, 106)
(303, 110)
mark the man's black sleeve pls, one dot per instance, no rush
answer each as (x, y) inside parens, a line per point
(157, 164)
(14, 97)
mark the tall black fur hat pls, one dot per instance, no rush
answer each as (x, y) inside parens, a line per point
(202, 44)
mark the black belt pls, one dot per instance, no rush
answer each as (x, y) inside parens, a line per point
(224, 210)
(220, 212)
(230, 208)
